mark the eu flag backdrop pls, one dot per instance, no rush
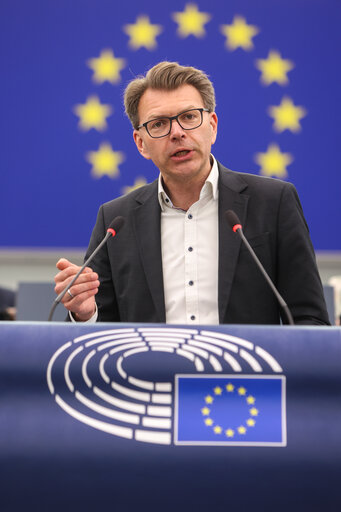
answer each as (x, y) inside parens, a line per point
(66, 145)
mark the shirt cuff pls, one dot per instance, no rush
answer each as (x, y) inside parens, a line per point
(91, 320)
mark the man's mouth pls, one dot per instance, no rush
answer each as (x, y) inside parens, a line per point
(183, 152)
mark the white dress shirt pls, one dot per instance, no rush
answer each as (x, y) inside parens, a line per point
(189, 244)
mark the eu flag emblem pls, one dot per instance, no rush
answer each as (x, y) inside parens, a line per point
(228, 410)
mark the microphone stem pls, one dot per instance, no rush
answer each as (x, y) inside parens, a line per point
(85, 264)
(280, 299)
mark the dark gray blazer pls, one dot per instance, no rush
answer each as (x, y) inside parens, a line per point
(130, 267)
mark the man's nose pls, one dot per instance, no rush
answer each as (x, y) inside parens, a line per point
(176, 130)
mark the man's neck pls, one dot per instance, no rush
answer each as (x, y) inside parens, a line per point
(184, 194)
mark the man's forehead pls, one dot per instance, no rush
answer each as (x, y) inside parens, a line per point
(155, 102)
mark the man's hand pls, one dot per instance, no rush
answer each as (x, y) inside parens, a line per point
(81, 299)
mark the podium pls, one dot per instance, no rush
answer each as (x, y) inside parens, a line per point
(155, 417)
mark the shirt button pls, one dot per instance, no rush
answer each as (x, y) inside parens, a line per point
(191, 283)
(190, 249)
(167, 200)
(190, 216)
(192, 317)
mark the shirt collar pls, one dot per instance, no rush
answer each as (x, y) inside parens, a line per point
(210, 187)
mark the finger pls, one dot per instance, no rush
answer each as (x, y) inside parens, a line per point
(83, 303)
(65, 276)
(63, 263)
(79, 289)
(79, 300)
(87, 281)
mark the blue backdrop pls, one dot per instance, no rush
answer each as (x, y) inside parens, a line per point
(66, 145)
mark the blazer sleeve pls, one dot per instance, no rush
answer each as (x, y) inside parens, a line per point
(298, 278)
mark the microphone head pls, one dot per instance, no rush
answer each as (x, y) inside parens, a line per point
(232, 220)
(116, 225)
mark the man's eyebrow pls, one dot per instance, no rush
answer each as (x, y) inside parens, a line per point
(158, 116)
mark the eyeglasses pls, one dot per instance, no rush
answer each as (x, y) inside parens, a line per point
(161, 126)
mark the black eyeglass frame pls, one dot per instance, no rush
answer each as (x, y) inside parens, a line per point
(171, 119)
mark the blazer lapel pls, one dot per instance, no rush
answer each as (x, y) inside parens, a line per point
(230, 198)
(147, 230)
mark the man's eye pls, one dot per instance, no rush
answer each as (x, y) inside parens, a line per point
(189, 117)
(157, 124)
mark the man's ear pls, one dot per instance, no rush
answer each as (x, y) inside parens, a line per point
(214, 126)
(140, 144)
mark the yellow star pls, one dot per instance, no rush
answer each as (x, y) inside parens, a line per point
(92, 114)
(209, 422)
(273, 162)
(218, 390)
(209, 399)
(274, 68)
(254, 411)
(106, 67)
(251, 422)
(239, 34)
(229, 432)
(241, 391)
(191, 21)
(229, 387)
(217, 429)
(241, 429)
(142, 33)
(139, 182)
(287, 116)
(250, 399)
(105, 161)
(205, 411)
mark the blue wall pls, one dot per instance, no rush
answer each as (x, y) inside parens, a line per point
(49, 193)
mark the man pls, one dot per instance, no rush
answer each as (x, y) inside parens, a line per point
(175, 260)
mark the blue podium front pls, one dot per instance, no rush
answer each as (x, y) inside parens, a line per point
(130, 417)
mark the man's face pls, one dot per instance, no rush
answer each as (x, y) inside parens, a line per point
(183, 155)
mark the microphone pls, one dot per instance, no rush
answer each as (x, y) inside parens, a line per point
(112, 230)
(236, 226)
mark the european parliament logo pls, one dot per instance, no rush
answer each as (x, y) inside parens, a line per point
(167, 386)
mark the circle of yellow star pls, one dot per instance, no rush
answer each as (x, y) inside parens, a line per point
(274, 162)
(229, 432)
(209, 399)
(250, 422)
(191, 21)
(241, 391)
(92, 114)
(229, 387)
(250, 400)
(254, 411)
(217, 429)
(239, 34)
(139, 182)
(205, 411)
(105, 161)
(241, 430)
(274, 68)
(209, 422)
(142, 33)
(106, 67)
(287, 116)
(218, 390)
